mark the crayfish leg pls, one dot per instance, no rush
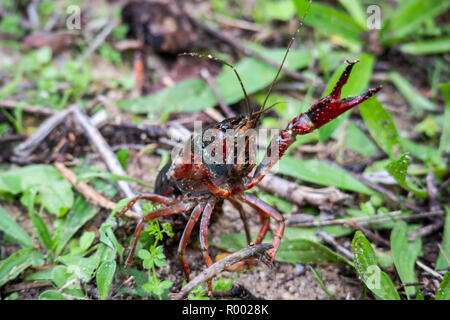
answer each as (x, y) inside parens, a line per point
(204, 237)
(195, 215)
(176, 208)
(268, 211)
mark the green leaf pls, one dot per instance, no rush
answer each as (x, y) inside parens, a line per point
(51, 295)
(366, 264)
(410, 15)
(43, 234)
(55, 193)
(269, 10)
(194, 95)
(13, 230)
(405, 254)
(123, 155)
(107, 236)
(419, 151)
(86, 240)
(381, 126)
(82, 268)
(81, 213)
(398, 169)
(356, 11)
(443, 293)
(16, 263)
(356, 140)
(332, 22)
(319, 280)
(307, 251)
(298, 250)
(318, 172)
(357, 83)
(434, 46)
(417, 101)
(105, 275)
(444, 146)
(443, 261)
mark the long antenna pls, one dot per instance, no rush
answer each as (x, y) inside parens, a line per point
(286, 54)
(210, 57)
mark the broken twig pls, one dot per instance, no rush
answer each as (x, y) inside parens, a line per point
(88, 192)
(216, 268)
(105, 152)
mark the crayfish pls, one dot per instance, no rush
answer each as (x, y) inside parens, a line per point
(199, 176)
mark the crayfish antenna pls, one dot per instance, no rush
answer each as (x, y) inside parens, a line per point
(284, 60)
(211, 57)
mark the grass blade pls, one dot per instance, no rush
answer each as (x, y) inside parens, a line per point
(417, 102)
(444, 146)
(366, 263)
(405, 254)
(332, 22)
(381, 126)
(12, 229)
(16, 263)
(410, 15)
(435, 46)
(443, 293)
(105, 275)
(443, 261)
(318, 172)
(81, 213)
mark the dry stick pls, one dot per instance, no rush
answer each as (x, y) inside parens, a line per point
(386, 192)
(105, 152)
(436, 223)
(24, 149)
(208, 78)
(429, 270)
(216, 268)
(379, 218)
(12, 138)
(88, 192)
(25, 286)
(248, 51)
(99, 39)
(28, 108)
(330, 240)
(299, 194)
(369, 234)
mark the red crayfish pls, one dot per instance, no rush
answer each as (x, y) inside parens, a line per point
(199, 176)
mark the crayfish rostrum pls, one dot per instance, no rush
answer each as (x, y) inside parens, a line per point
(199, 176)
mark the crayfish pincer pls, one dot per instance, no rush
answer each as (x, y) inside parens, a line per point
(206, 170)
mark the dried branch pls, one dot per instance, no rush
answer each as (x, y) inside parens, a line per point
(28, 108)
(88, 192)
(385, 192)
(216, 268)
(330, 240)
(369, 234)
(105, 152)
(379, 218)
(24, 149)
(300, 194)
(99, 39)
